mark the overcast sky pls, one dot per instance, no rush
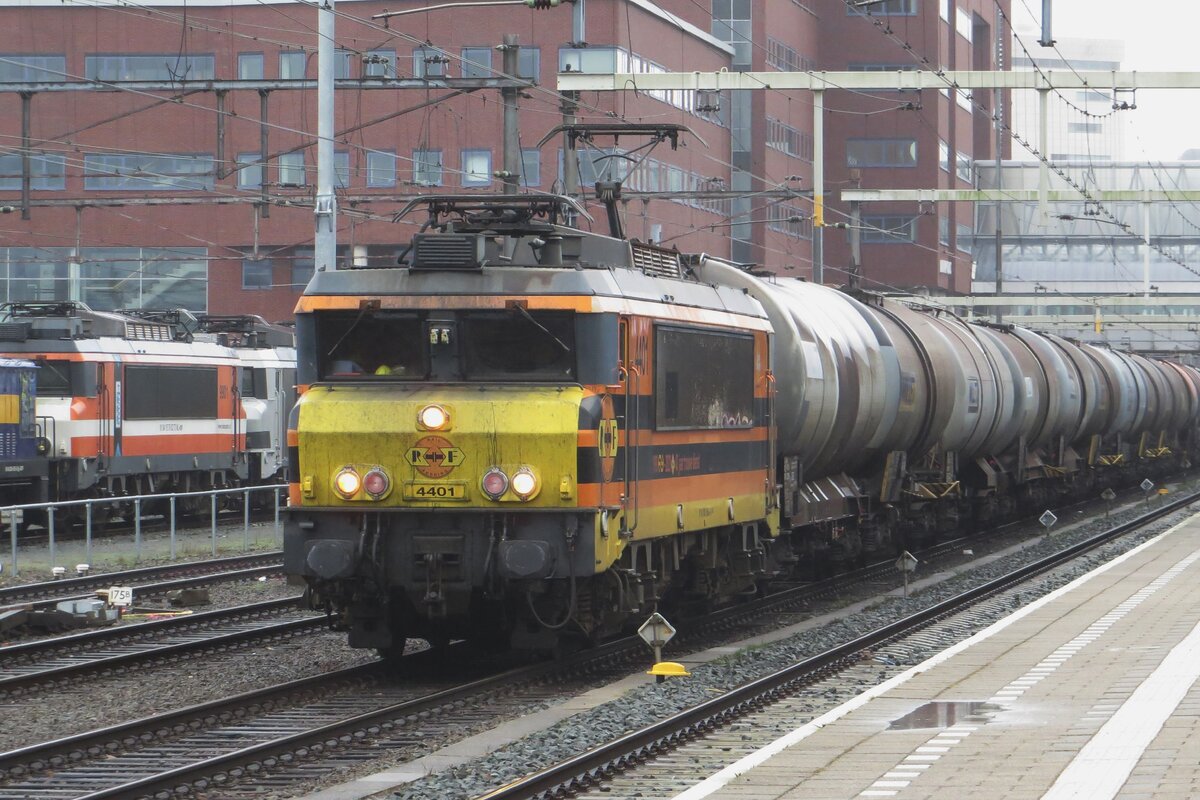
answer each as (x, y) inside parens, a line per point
(1158, 35)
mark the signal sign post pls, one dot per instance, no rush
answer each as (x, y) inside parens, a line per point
(906, 563)
(1108, 495)
(656, 632)
(1147, 485)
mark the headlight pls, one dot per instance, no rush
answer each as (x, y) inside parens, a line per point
(524, 483)
(347, 483)
(376, 483)
(433, 418)
(494, 483)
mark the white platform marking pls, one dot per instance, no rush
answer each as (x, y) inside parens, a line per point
(1103, 765)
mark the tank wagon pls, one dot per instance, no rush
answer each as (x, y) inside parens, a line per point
(524, 430)
(143, 402)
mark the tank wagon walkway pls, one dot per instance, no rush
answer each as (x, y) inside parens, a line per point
(1089, 693)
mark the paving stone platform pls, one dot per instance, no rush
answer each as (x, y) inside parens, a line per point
(1088, 693)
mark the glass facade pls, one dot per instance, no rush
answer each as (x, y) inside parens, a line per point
(107, 278)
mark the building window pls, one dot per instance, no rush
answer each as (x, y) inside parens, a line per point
(963, 23)
(427, 167)
(591, 59)
(789, 220)
(476, 167)
(963, 167)
(943, 156)
(944, 10)
(889, 229)
(250, 171)
(170, 67)
(123, 171)
(786, 139)
(966, 237)
(887, 8)
(381, 169)
(291, 169)
(429, 62)
(341, 63)
(379, 64)
(256, 273)
(1085, 127)
(477, 62)
(531, 167)
(134, 277)
(881, 152)
(45, 172)
(341, 169)
(529, 63)
(250, 67)
(731, 23)
(27, 69)
(303, 267)
(786, 58)
(600, 163)
(943, 231)
(292, 64)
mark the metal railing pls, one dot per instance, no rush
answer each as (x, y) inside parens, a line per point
(171, 500)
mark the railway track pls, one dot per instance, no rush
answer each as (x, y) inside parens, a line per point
(332, 731)
(146, 581)
(47, 662)
(634, 764)
(287, 734)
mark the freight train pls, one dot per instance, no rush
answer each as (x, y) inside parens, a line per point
(145, 402)
(525, 432)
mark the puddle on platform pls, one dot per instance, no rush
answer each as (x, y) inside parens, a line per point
(943, 714)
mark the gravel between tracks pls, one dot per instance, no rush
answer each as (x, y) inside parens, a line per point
(652, 702)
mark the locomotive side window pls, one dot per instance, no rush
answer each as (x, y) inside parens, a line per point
(154, 392)
(519, 344)
(380, 345)
(703, 379)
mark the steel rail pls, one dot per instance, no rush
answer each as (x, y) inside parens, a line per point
(140, 630)
(23, 682)
(25, 592)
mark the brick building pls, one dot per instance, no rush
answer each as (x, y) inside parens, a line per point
(185, 174)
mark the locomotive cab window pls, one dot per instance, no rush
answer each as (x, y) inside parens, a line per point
(375, 346)
(58, 378)
(703, 379)
(518, 344)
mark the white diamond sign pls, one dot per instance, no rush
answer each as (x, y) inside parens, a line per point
(1047, 518)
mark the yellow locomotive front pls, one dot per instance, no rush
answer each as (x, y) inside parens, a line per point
(439, 448)
(484, 447)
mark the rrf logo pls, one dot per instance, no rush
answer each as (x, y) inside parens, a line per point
(434, 456)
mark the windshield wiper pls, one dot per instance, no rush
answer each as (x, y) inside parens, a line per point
(521, 309)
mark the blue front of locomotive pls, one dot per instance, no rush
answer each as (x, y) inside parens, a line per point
(23, 464)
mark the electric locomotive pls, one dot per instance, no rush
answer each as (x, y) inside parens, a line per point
(148, 401)
(525, 431)
(23, 466)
